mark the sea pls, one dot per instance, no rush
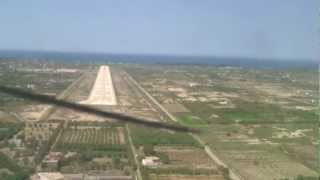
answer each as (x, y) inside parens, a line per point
(107, 58)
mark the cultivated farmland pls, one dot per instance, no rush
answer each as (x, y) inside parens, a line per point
(94, 138)
(262, 123)
(197, 158)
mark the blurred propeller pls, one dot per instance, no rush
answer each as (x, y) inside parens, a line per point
(90, 110)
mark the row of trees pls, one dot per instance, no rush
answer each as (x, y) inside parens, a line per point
(91, 135)
(95, 147)
(45, 146)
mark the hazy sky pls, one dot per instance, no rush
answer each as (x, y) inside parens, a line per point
(252, 28)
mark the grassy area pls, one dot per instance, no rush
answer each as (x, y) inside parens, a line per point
(10, 170)
(45, 82)
(143, 136)
(85, 161)
(249, 112)
(261, 114)
(257, 112)
(202, 110)
(7, 130)
(192, 121)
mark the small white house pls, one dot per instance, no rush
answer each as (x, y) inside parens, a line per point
(223, 102)
(151, 161)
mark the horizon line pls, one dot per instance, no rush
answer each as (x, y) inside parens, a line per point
(162, 54)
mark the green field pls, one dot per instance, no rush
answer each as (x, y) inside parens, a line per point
(147, 136)
(8, 129)
(192, 121)
(10, 170)
(266, 112)
(251, 112)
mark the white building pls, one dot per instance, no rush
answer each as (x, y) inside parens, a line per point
(151, 161)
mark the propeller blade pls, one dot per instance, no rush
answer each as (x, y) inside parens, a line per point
(91, 110)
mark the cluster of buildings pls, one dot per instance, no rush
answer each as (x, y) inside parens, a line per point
(51, 161)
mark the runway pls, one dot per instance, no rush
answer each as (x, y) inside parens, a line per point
(102, 92)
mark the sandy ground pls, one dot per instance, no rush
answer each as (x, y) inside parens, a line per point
(34, 112)
(186, 177)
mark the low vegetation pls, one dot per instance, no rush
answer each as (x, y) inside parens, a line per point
(8, 129)
(143, 136)
(9, 170)
(91, 138)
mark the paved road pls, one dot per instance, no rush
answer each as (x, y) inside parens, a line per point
(208, 150)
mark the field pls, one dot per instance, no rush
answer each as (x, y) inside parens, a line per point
(263, 164)
(45, 78)
(256, 151)
(186, 177)
(99, 148)
(171, 147)
(196, 157)
(179, 153)
(40, 77)
(193, 121)
(7, 130)
(93, 138)
(143, 136)
(261, 123)
(10, 170)
(31, 76)
(263, 119)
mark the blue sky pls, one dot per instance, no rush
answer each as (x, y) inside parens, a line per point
(250, 28)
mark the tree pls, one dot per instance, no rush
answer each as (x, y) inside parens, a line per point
(87, 156)
(148, 150)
